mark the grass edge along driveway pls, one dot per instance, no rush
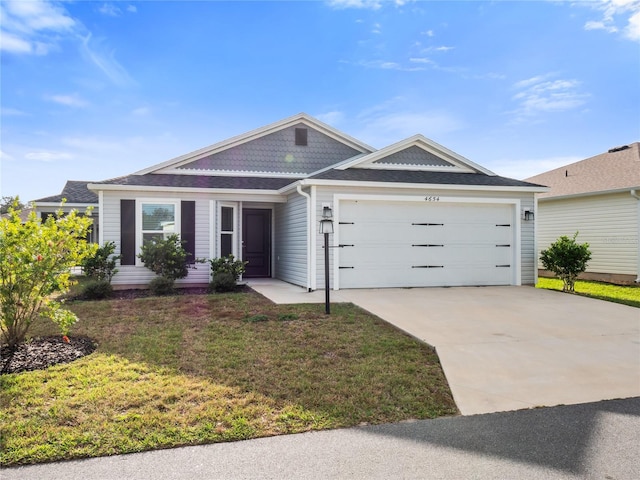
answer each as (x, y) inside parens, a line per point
(624, 294)
(194, 369)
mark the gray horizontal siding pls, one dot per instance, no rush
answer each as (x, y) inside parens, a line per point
(290, 247)
(138, 275)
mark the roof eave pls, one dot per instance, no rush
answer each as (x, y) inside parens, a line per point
(589, 194)
(151, 188)
(441, 186)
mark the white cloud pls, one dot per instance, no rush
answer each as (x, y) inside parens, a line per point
(428, 33)
(141, 111)
(421, 60)
(33, 27)
(68, 100)
(633, 27)
(48, 156)
(365, 4)
(11, 112)
(332, 118)
(95, 52)
(6, 156)
(368, 4)
(399, 118)
(543, 94)
(388, 65)
(614, 15)
(132, 8)
(110, 10)
(14, 44)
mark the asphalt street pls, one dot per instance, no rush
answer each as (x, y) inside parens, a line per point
(598, 440)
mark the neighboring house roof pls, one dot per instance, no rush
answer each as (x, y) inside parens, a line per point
(618, 169)
(74, 191)
(24, 214)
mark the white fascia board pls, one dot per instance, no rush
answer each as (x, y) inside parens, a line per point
(586, 194)
(274, 195)
(422, 186)
(65, 205)
(423, 142)
(258, 133)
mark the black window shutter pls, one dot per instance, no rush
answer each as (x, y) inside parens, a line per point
(188, 229)
(128, 232)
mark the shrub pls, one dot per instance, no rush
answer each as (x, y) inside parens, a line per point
(97, 290)
(102, 265)
(36, 258)
(225, 272)
(228, 264)
(567, 259)
(161, 286)
(223, 282)
(165, 257)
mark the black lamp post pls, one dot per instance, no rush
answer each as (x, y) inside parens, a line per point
(326, 227)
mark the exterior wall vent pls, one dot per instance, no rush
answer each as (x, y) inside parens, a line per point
(301, 137)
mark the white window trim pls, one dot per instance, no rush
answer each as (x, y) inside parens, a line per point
(234, 233)
(139, 231)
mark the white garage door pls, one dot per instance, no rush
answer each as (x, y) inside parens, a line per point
(415, 244)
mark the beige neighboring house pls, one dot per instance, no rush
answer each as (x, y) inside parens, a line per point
(600, 198)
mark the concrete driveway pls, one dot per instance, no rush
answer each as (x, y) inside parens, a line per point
(508, 348)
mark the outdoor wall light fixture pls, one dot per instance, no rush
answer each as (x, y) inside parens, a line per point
(326, 227)
(528, 215)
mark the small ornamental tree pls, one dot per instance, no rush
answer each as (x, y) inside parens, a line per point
(165, 257)
(567, 259)
(36, 258)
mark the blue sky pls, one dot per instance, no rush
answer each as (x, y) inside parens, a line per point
(95, 90)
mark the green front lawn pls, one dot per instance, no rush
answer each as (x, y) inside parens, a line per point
(627, 295)
(196, 369)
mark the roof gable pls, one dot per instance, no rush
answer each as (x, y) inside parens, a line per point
(618, 169)
(269, 151)
(416, 153)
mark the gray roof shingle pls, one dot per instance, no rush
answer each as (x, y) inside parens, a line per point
(75, 191)
(197, 181)
(410, 176)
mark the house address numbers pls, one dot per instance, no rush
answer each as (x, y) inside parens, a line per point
(432, 198)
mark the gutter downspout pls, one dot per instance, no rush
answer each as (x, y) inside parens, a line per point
(635, 195)
(308, 197)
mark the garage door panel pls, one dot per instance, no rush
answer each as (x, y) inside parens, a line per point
(397, 244)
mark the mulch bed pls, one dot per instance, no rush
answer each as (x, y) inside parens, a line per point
(43, 352)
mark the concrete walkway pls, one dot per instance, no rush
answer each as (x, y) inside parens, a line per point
(587, 441)
(507, 348)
